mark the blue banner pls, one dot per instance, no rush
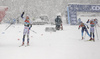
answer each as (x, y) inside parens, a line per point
(74, 8)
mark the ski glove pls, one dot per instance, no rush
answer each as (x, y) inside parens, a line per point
(30, 27)
(78, 27)
(87, 27)
(87, 21)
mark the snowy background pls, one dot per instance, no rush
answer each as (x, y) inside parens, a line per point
(63, 44)
(35, 8)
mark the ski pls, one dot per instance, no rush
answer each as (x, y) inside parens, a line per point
(21, 45)
(26, 45)
(89, 40)
(33, 31)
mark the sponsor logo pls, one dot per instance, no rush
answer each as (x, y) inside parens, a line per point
(95, 7)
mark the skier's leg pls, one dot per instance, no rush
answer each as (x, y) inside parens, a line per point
(93, 37)
(82, 32)
(24, 33)
(28, 37)
(91, 32)
(87, 32)
(23, 39)
(90, 36)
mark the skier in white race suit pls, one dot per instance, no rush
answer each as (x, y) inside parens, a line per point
(27, 27)
(93, 23)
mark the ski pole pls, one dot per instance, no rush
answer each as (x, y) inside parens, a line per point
(33, 31)
(96, 33)
(8, 26)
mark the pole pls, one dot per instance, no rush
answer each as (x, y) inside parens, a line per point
(97, 33)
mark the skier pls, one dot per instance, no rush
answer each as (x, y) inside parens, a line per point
(58, 22)
(84, 29)
(93, 23)
(27, 27)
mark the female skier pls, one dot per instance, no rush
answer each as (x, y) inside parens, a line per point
(93, 23)
(84, 29)
(27, 27)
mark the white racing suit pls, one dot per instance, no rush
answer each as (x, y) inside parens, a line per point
(92, 28)
(92, 32)
(27, 26)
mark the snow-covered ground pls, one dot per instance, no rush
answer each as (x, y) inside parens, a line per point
(63, 44)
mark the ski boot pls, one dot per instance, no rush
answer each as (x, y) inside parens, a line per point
(27, 43)
(93, 39)
(22, 43)
(90, 39)
(82, 38)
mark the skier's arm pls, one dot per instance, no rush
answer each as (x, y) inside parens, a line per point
(98, 25)
(79, 26)
(86, 26)
(22, 15)
(88, 21)
(30, 25)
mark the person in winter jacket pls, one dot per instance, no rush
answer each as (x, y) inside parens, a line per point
(58, 22)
